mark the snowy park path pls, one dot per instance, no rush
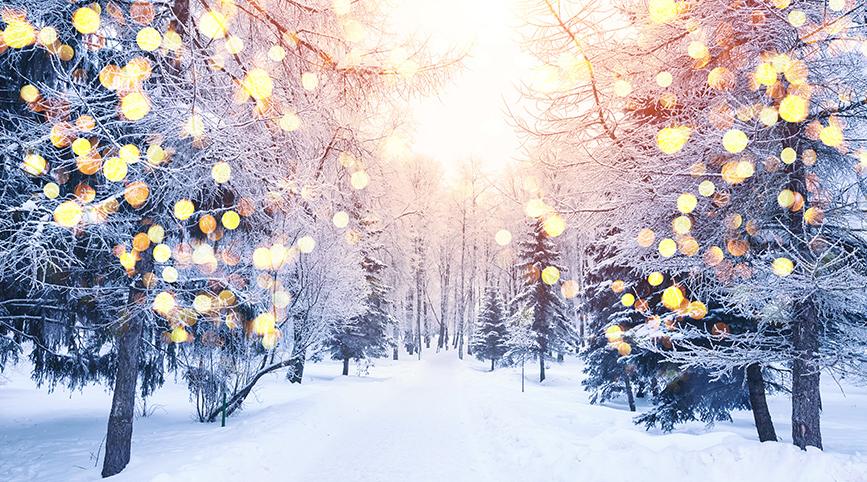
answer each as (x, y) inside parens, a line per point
(439, 419)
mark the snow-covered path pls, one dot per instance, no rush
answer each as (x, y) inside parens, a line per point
(439, 419)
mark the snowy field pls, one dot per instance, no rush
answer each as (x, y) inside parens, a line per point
(438, 419)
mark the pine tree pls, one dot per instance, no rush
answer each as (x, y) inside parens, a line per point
(538, 258)
(366, 335)
(491, 335)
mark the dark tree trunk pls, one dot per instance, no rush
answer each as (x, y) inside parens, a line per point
(541, 367)
(119, 436)
(297, 370)
(346, 366)
(761, 414)
(396, 335)
(560, 356)
(629, 396)
(806, 398)
(492, 364)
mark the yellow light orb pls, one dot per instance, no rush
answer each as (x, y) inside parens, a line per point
(172, 40)
(230, 220)
(766, 74)
(309, 80)
(276, 53)
(554, 225)
(624, 349)
(550, 275)
(134, 106)
(156, 233)
(202, 303)
(696, 310)
(148, 39)
(85, 20)
(162, 253)
(503, 237)
(618, 286)
(622, 88)
(359, 180)
(662, 11)
(831, 136)
(667, 247)
(681, 225)
(655, 279)
(184, 209)
(672, 139)
(697, 50)
(170, 274)
(221, 172)
(786, 198)
(262, 258)
(29, 93)
(81, 146)
(18, 33)
(34, 164)
(628, 299)
(664, 79)
(672, 297)
(114, 169)
(735, 141)
(129, 153)
(258, 84)
(67, 214)
(794, 108)
(213, 24)
(788, 155)
(768, 116)
(340, 219)
(783, 267)
(51, 190)
(290, 122)
(179, 334)
(686, 203)
(797, 18)
(306, 244)
(706, 188)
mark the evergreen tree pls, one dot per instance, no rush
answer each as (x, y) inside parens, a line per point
(491, 335)
(366, 335)
(538, 258)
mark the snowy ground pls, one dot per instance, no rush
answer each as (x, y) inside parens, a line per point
(435, 420)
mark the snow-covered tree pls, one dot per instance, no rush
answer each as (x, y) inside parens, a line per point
(538, 261)
(491, 334)
(725, 149)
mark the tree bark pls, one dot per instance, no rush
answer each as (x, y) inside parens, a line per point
(806, 398)
(346, 366)
(759, 404)
(297, 370)
(630, 397)
(118, 440)
(541, 366)
(492, 364)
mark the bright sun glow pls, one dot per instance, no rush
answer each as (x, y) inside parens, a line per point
(470, 110)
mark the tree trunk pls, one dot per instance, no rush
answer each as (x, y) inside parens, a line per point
(492, 364)
(346, 366)
(396, 335)
(238, 397)
(297, 370)
(541, 366)
(806, 398)
(761, 414)
(118, 439)
(629, 396)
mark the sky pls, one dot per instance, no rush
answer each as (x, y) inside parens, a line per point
(468, 119)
